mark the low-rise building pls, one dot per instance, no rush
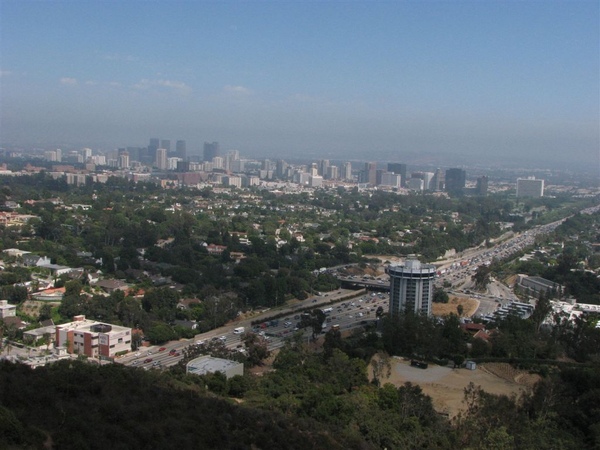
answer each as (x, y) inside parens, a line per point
(7, 310)
(207, 364)
(92, 338)
(535, 285)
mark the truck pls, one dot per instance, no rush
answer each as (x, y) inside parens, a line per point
(238, 330)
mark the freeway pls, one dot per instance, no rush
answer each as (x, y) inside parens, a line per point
(350, 310)
(349, 314)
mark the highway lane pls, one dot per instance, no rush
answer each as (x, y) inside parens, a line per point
(349, 316)
(354, 313)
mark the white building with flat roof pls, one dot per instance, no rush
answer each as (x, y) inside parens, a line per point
(7, 310)
(208, 364)
(93, 339)
(530, 187)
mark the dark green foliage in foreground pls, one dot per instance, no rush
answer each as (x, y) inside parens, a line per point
(79, 406)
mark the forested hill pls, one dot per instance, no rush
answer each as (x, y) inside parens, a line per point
(73, 405)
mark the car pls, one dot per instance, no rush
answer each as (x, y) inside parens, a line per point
(155, 363)
(135, 363)
(137, 353)
(172, 352)
(162, 349)
(223, 338)
(287, 324)
(147, 360)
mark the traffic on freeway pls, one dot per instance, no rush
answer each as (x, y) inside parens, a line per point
(346, 314)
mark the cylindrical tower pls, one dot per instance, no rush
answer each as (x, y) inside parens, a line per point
(411, 287)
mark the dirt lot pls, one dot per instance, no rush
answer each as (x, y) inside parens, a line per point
(469, 305)
(446, 385)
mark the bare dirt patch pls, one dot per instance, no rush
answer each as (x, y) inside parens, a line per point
(509, 373)
(446, 385)
(469, 305)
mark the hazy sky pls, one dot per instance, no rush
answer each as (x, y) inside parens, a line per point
(336, 79)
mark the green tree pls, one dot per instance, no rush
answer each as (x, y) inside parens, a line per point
(482, 277)
(440, 295)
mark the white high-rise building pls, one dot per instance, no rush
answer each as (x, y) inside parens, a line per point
(416, 184)
(123, 160)
(347, 171)
(316, 181)
(86, 153)
(332, 173)
(161, 159)
(530, 187)
(172, 162)
(411, 287)
(218, 162)
(391, 179)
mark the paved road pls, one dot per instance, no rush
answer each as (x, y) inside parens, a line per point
(348, 314)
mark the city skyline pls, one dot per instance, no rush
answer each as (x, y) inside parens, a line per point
(330, 80)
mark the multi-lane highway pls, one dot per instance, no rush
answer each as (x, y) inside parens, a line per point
(359, 311)
(348, 314)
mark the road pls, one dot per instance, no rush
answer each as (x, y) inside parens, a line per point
(349, 310)
(351, 313)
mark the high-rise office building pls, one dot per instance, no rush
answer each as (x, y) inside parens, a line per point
(391, 179)
(218, 162)
(134, 153)
(347, 172)
(86, 153)
(166, 144)
(123, 160)
(161, 159)
(369, 174)
(530, 187)
(323, 166)
(150, 156)
(398, 169)
(437, 184)
(482, 185)
(332, 173)
(314, 170)
(180, 150)
(211, 150)
(455, 180)
(280, 168)
(411, 287)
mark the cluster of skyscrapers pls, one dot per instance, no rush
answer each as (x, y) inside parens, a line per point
(397, 176)
(160, 156)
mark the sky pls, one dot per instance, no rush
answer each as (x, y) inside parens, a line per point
(366, 80)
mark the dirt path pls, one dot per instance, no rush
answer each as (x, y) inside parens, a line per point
(446, 385)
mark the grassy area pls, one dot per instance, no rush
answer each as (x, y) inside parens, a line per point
(469, 305)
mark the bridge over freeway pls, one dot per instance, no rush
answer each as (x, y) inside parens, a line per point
(362, 283)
